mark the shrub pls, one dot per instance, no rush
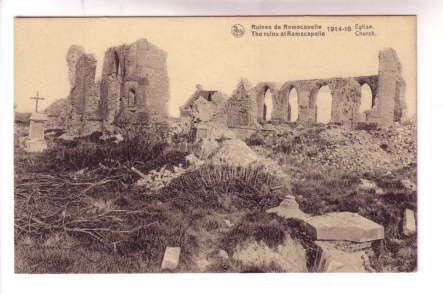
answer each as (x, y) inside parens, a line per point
(256, 139)
(203, 186)
(258, 226)
(142, 142)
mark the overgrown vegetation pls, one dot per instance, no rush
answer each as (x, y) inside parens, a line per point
(86, 194)
(252, 187)
(77, 208)
(260, 227)
(320, 194)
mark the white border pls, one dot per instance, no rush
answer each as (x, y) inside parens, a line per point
(430, 148)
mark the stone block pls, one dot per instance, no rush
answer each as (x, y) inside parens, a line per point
(341, 257)
(171, 258)
(409, 225)
(344, 226)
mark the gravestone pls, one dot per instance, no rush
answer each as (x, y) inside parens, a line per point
(36, 142)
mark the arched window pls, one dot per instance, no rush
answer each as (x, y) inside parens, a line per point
(131, 98)
(267, 106)
(324, 105)
(366, 99)
(292, 105)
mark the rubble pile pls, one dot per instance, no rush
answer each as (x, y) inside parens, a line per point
(323, 148)
(400, 141)
(233, 152)
(157, 179)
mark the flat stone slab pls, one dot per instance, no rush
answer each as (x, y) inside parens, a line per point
(171, 258)
(288, 209)
(344, 226)
(336, 226)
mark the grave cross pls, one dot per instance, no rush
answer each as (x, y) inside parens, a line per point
(37, 98)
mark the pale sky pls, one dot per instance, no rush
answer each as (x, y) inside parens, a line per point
(202, 50)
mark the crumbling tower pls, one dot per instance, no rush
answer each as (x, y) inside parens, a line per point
(389, 102)
(83, 113)
(134, 79)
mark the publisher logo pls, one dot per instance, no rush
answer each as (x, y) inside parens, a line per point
(237, 30)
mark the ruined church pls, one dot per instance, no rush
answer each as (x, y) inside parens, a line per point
(246, 109)
(134, 81)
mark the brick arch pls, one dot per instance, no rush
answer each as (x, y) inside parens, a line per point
(284, 94)
(260, 90)
(313, 97)
(315, 88)
(372, 82)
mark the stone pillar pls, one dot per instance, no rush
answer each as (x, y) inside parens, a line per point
(346, 99)
(306, 102)
(389, 88)
(280, 105)
(72, 57)
(36, 142)
(83, 99)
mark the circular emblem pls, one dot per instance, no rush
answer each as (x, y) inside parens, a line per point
(237, 30)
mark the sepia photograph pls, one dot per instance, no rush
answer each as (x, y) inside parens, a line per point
(246, 144)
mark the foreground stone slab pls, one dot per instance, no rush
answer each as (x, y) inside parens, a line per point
(336, 226)
(171, 258)
(342, 257)
(344, 226)
(288, 209)
(409, 225)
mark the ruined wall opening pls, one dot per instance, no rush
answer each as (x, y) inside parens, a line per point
(365, 100)
(292, 105)
(116, 64)
(131, 98)
(267, 105)
(324, 105)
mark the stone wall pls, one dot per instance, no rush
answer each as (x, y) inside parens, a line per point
(57, 114)
(242, 106)
(388, 105)
(204, 106)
